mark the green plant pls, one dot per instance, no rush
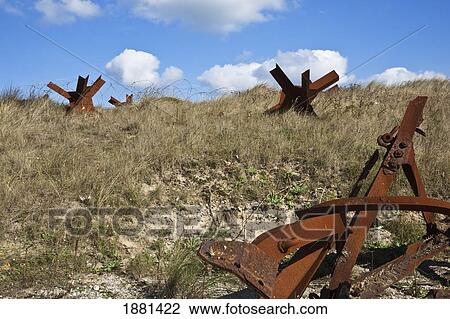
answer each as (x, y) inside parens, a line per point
(252, 171)
(274, 199)
(142, 265)
(178, 270)
(109, 254)
(298, 189)
(376, 245)
(43, 266)
(405, 230)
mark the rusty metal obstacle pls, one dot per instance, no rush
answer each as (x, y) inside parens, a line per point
(299, 98)
(117, 103)
(80, 100)
(281, 262)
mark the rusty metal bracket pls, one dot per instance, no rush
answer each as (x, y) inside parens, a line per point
(300, 98)
(309, 239)
(281, 262)
(80, 100)
(117, 103)
(400, 154)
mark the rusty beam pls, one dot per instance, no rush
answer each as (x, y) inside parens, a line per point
(376, 204)
(114, 101)
(325, 81)
(82, 84)
(372, 284)
(282, 79)
(299, 98)
(400, 153)
(58, 90)
(309, 239)
(117, 103)
(80, 100)
(94, 88)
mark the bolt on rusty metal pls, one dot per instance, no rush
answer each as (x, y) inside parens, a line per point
(262, 264)
(80, 100)
(300, 98)
(117, 103)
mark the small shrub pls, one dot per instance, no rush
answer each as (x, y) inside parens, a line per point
(109, 255)
(405, 230)
(177, 270)
(274, 199)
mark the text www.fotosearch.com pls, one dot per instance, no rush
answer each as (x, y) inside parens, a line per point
(240, 309)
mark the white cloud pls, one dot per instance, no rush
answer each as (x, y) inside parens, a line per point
(400, 75)
(66, 11)
(246, 75)
(141, 69)
(219, 16)
(233, 77)
(9, 8)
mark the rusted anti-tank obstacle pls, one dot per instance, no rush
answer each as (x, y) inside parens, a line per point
(117, 103)
(80, 100)
(299, 98)
(264, 264)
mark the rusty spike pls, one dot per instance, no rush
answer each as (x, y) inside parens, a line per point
(299, 97)
(325, 81)
(94, 88)
(82, 84)
(117, 103)
(59, 90)
(372, 284)
(80, 100)
(282, 79)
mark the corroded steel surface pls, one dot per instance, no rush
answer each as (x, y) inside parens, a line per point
(117, 103)
(309, 239)
(400, 155)
(299, 97)
(371, 285)
(247, 261)
(281, 262)
(80, 100)
(376, 204)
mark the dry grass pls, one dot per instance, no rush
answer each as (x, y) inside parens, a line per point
(224, 149)
(177, 272)
(49, 159)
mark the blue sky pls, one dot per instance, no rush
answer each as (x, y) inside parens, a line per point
(219, 44)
